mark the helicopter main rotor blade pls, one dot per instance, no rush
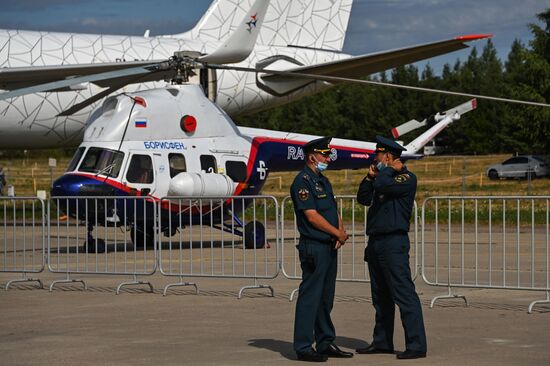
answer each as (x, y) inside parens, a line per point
(337, 79)
(94, 98)
(58, 84)
(78, 107)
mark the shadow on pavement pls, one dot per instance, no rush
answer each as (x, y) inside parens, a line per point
(286, 350)
(275, 345)
(351, 343)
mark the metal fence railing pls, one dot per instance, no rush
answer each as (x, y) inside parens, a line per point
(351, 264)
(23, 226)
(102, 236)
(219, 237)
(466, 242)
(486, 242)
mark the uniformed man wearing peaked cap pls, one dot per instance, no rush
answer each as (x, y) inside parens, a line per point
(321, 235)
(389, 189)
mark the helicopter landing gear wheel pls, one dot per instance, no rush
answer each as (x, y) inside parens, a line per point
(254, 235)
(94, 245)
(142, 240)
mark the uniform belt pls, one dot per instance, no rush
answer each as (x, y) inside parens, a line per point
(305, 239)
(396, 232)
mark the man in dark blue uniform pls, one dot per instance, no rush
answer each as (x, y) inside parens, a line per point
(321, 235)
(389, 190)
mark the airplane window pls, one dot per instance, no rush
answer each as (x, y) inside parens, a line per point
(76, 159)
(177, 164)
(208, 163)
(102, 161)
(236, 170)
(140, 170)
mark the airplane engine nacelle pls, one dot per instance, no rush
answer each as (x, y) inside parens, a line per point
(201, 185)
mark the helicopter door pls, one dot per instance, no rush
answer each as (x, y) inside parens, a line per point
(235, 168)
(140, 173)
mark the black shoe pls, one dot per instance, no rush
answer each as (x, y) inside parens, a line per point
(409, 355)
(333, 351)
(311, 356)
(371, 349)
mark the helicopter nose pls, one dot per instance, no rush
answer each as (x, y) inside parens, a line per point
(75, 185)
(66, 185)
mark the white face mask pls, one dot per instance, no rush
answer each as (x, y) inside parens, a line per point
(380, 166)
(321, 167)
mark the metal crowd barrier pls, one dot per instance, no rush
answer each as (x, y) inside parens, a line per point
(22, 237)
(487, 242)
(351, 264)
(237, 237)
(105, 236)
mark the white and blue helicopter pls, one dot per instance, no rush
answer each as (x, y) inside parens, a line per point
(174, 141)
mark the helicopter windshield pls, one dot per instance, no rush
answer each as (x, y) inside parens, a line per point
(102, 161)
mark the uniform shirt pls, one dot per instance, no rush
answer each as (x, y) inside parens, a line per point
(391, 198)
(310, 191)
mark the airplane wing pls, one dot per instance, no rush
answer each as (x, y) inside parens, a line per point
(364, 65)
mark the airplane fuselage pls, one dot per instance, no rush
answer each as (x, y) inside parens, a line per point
(31, 121)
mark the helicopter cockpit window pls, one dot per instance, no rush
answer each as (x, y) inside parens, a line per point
(76, 159)
(236, 170)
(177, 164)
(140, 170)
(102, 161)
(208, 163)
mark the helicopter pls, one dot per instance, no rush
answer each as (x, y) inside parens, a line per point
(174, 141)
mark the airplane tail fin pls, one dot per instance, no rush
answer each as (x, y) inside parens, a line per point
(443, 121)
(317, 24)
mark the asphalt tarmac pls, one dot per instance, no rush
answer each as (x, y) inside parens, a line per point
(70, 326)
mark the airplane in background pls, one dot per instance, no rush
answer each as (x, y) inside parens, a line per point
(41, 108)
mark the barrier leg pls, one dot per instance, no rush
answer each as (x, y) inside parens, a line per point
(255, 286)
(181, 283)
(450, 295)
(25, 279)
(292, 294)
(416, 272)
(135, 282)
(68, 280)
(532, 305)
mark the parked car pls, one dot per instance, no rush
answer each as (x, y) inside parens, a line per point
(519, 167)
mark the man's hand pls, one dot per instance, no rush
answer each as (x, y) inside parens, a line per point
(338, 245)
(342, 236)
(372, 171)
(397, 165)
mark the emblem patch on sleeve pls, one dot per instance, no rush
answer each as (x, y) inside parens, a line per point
(402, 178)
(303, 194)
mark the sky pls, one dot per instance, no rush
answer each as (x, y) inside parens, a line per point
(375, 25)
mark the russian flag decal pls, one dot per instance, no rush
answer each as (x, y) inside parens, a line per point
(142, 123)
